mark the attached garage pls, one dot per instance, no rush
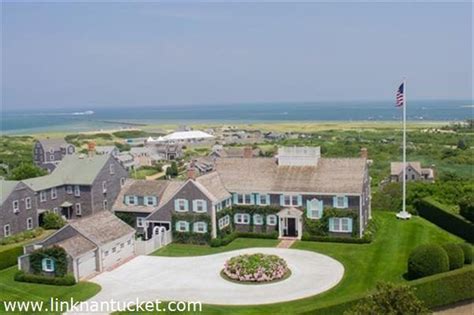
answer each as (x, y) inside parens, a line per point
(87, 265)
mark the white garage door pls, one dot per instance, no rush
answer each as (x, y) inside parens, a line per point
(87, 265)
(117, 253)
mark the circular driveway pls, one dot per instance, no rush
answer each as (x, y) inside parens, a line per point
(150, 278)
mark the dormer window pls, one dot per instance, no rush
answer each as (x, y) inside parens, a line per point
(131, 200)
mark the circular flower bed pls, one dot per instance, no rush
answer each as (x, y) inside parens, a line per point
(256, 268)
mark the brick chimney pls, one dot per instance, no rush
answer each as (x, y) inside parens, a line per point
(192, 171)
(248, 152)
(364, 153)
(91, 148)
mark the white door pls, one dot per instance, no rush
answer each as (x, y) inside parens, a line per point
(87, 265)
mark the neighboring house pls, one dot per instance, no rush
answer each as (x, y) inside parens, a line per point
(18, 210)
(145, 156)
(127, 161)
(414, 172)
(79, 186)
(204, 164)
(299, 185)
(92, 244)
(47, 153)
(234, 152)
(107, 150)
(139, 198)
(170, 151)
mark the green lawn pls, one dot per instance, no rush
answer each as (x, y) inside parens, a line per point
(10, 290)
(365, 264)
(176, 250)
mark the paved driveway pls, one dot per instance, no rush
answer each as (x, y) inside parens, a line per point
(151, 278)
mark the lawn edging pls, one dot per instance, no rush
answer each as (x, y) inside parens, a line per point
(436, 213)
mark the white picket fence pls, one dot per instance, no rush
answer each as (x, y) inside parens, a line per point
(160, 239)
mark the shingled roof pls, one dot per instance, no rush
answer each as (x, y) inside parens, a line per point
(397, 167)
(214, 185)
(76, 245)
(55, 144)
(341, 175)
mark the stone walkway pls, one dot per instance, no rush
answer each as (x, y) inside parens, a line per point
(149, 278)
(286, 243)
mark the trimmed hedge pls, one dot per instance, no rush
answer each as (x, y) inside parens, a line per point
(32, 278)
(467, 249)
(435, 291)
(455, 255)
(426, 260)
(436, 213)
(9, 257)
(446, 288)
(228, 238)
(335, 239)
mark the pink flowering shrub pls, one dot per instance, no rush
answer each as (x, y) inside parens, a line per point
(255, 268)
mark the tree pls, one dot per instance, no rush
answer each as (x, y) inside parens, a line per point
(172, 171)
(52, 220)
(389, 299)
(26, 170)
(462, 144)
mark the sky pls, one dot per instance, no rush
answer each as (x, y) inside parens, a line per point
(150, 54)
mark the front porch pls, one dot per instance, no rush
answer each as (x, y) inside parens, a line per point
(290, 223)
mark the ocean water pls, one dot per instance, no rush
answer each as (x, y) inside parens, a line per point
(77, 119)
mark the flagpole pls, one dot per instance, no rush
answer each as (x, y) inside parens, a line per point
(404, 214)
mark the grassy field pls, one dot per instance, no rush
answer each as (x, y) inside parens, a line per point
(176, 250)
(11, 290)
(365, 264)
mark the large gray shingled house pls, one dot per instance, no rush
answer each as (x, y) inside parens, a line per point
(294, 193)
(79, 186)
(47, 153)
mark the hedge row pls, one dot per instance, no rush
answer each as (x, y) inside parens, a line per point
(9, 257)
(335, 239)
(27, 277)
(225, 240)
(435, 291)
(439, 215)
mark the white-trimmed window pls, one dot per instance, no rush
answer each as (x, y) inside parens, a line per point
(291, 200)
(105, 204)
(122, 181)
(199, 206)
(42, 196)
(224, 221)
(69, 189)
(244, 199)
(314, 209)
(140, 221)
(112, 169)
(271, 219)
(150, 201)
(257, 219)
(6, 230)
(104, 186)
(263, 199)
(242, 218)
(181, 205)
(47, 264)
(340, 225)
(54, 193)
(78, 209)
(340, 202)
(16, 206)
(131, 200)
(200, 227)
(29, 223)
(77, 190)
(28, 203)
(182, 226)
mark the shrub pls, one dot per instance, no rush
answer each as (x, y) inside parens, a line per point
(255, 268)
(467, 249)
(439, 215)
(52, 220)
(9, 257)
(455, 256)
(23, 236)
(336, 239)
(426, 260)
(55, 252)
(466, 207)
(390, 299)
(27, 277)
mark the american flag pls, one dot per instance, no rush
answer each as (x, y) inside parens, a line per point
(401, 95)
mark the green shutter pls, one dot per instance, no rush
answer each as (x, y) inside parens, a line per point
(331, 224)
(186, 205)
(350, 224)
(334, 202)
(346, 202)
(267, 197)
(252, 199)
(300, 200)
(176, 208)
(234, 196)
(257, 199)
(282, 200)
(127, 200)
